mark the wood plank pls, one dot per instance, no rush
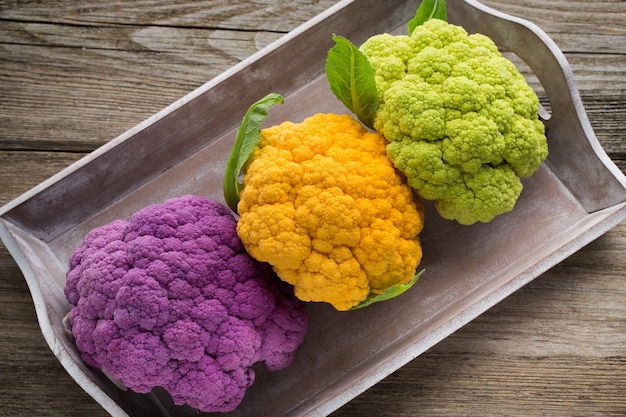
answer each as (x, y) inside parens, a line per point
(567, 16)
(122, 63)
(239, 15)
(103, 90)
(608, 120)
(20, 171)
(487, 385)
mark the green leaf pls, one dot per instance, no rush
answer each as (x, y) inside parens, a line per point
(389, 293)
(428, 9)
(351, 78)
(248, 137)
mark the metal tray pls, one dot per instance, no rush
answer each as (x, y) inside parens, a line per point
(576, 196)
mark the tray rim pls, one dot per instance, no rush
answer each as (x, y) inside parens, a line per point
(605, 219)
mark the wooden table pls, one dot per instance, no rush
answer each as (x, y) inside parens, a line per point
(74, 75)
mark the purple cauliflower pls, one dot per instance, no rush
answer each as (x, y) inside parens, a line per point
(170, 298)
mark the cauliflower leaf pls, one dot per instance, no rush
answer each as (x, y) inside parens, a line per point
(428, 9)
(245, 142)
(351, 79)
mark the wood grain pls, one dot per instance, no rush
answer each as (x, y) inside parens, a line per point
(76, 74)
(85, 73)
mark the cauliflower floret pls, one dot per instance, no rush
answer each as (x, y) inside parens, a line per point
(452, 107)
(420, 113)
(476, 197)
(171, 299)
(392, 53)
(341, 224)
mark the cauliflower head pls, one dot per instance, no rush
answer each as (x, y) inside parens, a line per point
(325, 207)
(460, 119)
(170, 298)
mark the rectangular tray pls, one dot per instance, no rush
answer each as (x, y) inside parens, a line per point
(576, 196)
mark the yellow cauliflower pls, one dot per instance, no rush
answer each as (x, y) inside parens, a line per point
(322, 204)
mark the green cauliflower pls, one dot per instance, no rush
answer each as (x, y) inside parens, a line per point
(460, 119)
